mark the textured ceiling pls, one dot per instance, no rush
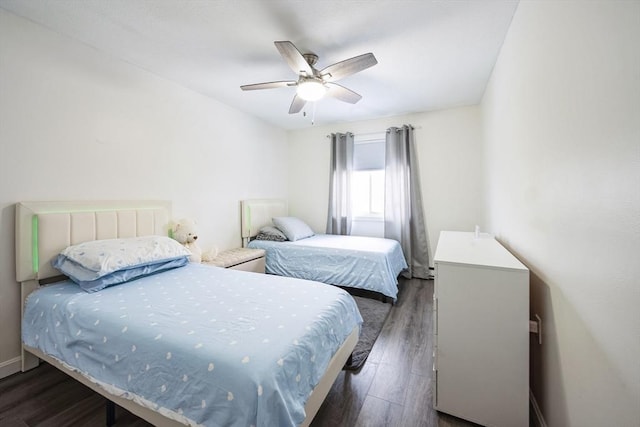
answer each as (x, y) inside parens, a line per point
(431, 54)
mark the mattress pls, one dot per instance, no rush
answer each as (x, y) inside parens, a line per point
(359, 262)
(202, 345)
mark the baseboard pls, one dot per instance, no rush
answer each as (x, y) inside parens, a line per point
(537, 418)
(10, 367)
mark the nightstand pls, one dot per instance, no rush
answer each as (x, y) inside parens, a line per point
(244, 259)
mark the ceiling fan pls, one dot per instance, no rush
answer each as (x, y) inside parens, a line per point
(312, 84)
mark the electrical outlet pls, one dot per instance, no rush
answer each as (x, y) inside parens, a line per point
(535, 327)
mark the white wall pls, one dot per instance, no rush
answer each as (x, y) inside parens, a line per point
(562, 123)
(448, 145)
(557, 178)
(76, 123)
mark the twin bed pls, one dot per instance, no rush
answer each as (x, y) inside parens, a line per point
(364, 263)
(195, 344)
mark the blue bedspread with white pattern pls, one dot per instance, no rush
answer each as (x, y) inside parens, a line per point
(203, 345)
(369, 263)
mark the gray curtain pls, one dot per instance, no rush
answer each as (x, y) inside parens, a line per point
(403, 213)
(339, 216)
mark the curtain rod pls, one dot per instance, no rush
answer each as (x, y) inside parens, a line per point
(375, 133)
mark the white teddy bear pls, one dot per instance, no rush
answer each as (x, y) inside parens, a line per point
(185, 232)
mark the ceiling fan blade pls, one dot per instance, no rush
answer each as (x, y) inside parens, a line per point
(294, 58)
(269, 85)
(342, 93)
(348, 67)
(296, 105)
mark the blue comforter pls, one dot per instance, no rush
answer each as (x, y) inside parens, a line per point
(202, 345)
(359, 262)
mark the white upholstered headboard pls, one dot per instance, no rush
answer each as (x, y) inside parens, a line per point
(257, 213)
(43, 229)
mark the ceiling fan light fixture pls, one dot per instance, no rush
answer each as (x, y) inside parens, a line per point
(312, 84)
(311, 90)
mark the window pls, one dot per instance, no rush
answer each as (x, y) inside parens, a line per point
(367, 193)
(367, 180)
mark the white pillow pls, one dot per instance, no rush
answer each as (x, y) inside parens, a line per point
(106, 256)
(98, 264)
(292, 227)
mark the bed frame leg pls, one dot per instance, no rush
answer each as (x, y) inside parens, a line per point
(111, 413)
(29, 361)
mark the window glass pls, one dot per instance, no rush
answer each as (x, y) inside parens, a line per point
(367, 181)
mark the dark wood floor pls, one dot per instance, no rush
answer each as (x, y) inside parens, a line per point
(394, 386)
(392, 389)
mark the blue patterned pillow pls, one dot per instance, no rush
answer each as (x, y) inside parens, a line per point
(97, 264)
(292, 227)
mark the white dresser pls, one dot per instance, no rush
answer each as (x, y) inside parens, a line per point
(481, 331)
